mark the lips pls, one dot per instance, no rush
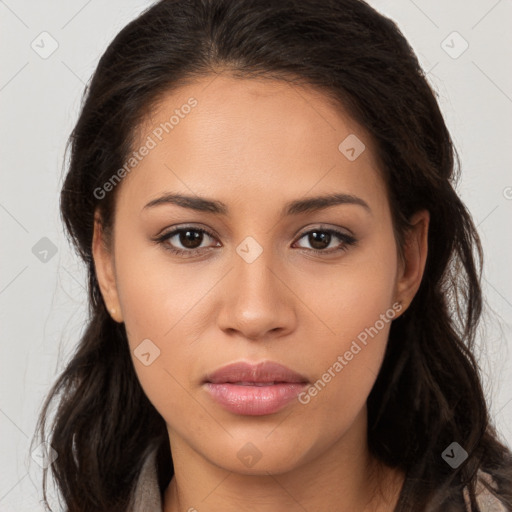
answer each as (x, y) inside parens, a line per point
(246, 374)
(254, 389)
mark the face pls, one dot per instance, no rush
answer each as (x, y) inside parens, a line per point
(250, 277)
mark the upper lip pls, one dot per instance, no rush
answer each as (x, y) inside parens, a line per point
(266, 371)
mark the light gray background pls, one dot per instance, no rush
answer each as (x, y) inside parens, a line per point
(43, 304)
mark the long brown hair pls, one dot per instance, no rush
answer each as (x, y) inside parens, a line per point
(428, 393)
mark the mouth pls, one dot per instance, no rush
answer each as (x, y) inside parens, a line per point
(254, 383)
(266, 373)
(254, 390)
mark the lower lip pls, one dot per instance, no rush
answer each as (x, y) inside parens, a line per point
(254, 400)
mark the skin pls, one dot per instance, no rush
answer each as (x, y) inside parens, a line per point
(256, 144)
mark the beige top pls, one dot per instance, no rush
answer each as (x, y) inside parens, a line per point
(147, 498)
(485, 499)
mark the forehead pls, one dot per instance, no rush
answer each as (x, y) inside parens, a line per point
(233, 138)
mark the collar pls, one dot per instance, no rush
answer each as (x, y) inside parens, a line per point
(146, 495)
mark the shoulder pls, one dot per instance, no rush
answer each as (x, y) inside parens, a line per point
(484, 497)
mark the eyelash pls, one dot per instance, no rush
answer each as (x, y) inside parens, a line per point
(188, 253)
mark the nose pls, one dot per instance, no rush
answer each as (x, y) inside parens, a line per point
(258, 302)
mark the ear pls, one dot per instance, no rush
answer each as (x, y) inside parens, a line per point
(410, 271)
(105, 271)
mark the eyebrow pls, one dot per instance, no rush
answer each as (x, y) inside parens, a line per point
(309, 204)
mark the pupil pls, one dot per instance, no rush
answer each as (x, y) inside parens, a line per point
(189, 238)
(321, 242)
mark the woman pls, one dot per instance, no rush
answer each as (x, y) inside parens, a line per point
(284, 285)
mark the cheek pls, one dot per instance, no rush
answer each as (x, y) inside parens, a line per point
(161, 305)
(155, 294)
(355, 295)
(160, 338)
(356, 310)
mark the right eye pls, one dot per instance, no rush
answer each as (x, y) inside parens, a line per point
(190, 239)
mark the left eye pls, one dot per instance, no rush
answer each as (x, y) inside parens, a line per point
(320, 239)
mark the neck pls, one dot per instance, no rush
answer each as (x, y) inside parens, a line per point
(344, 477)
